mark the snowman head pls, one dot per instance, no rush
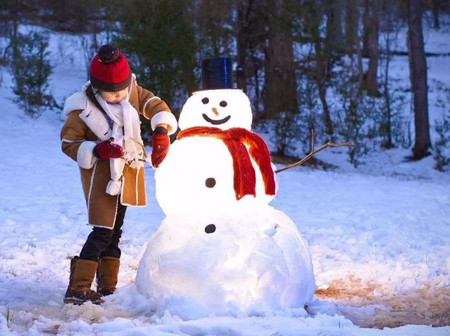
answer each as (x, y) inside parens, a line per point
(221, 108)
(219, 104)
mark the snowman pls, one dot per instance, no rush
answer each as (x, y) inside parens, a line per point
(222, 249)
(216, 159)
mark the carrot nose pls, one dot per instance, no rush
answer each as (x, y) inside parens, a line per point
(215, 111)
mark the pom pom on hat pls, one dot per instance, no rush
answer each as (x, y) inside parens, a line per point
(108, 54)
(109, 70)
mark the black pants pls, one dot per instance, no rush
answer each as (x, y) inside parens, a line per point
(103, 242)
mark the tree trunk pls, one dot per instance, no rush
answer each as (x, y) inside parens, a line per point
(436, 5)
(366, 28)
(257, 70)
(322, 54)
(280, 87)
(351, 24)
(386, 124)
(242, 43)
(329, 129)
(250, 39)
(15, 28)
(418, 78)
(372, 48)
(334, 25)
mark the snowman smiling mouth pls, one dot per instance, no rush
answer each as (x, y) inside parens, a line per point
(216, 122)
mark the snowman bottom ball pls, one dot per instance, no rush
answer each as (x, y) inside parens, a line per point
(235, 260)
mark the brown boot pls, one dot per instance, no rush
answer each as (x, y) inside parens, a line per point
(82, 274)
(108, 269)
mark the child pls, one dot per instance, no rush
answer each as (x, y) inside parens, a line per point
(102, 134)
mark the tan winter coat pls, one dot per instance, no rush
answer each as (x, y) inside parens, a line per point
(85, 126)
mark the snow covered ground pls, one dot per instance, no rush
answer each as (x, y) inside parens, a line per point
(379, 238)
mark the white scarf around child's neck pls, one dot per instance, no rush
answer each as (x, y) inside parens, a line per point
(126, 131)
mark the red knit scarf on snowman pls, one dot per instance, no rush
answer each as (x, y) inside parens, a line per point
(240, 143)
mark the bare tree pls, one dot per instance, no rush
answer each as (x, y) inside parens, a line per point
(436, 7)
(351, 24)
(323, 48)
(333, 14)
(244, 9)
(418, 78)
(370, 36)
(386, 124)
(280, 88)
(366, 28)
(250, 40)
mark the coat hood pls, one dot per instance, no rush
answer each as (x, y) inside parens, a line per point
(77, 101)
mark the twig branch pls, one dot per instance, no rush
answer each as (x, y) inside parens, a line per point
(307, 157)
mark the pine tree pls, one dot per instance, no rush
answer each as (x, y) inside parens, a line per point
(31, 70)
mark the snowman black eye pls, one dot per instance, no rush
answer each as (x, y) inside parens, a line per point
(210, 228)
(205, 100)
(223, 103)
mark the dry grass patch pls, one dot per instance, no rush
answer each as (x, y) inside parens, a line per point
(368, 305)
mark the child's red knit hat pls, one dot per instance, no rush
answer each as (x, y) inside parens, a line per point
(109, 70)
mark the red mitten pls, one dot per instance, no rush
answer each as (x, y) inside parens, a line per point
(108, 150)
(160, 144)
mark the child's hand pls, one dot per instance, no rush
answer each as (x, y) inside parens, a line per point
(108, 150)
(160, 144)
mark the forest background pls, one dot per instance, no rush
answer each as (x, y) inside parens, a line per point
(305, 65)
